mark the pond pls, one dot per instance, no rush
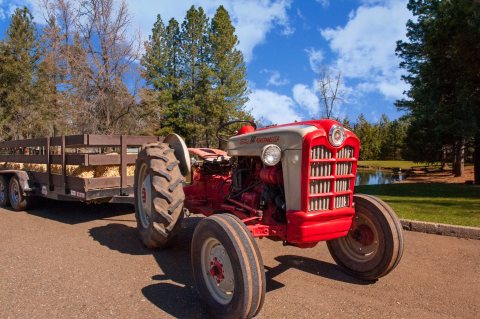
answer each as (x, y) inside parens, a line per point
(377, 177)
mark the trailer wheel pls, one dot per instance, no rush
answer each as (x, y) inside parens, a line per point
(374, 245)
(227, 268)
(4, 200)
(159, 197)
(18, 201)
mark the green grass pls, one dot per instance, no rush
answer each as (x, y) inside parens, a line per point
(392, 164)
(456, 204)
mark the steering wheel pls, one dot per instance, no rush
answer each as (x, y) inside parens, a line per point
(225, 131)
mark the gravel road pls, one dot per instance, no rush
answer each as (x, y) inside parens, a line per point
(69, 260)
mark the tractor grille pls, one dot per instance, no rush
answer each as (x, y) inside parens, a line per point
(320, 169)
(320, 152)
(342, 201)
(331, 178)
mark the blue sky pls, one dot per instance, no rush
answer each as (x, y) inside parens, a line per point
(285, 42)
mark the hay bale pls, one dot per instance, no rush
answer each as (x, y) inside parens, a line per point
(40, 168)
(72, 170)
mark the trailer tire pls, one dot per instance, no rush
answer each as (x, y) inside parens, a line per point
(18, 200)
(227, 268)
(374, 245)
(4, 200)
(159, 197)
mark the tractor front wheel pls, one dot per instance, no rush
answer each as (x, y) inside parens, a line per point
(159, 196)
(227, 267)
(374, 245)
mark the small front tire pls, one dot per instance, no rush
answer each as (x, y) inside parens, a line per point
(374, 245)
(227, 268)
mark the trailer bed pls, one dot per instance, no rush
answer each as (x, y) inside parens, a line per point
(85, 150)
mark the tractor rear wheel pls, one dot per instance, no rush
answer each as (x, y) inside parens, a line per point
(159, 196)
(4, 200)
(374, 245)
(227, 267)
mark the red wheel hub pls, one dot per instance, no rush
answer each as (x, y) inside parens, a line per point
(364, 235)
(216, 269)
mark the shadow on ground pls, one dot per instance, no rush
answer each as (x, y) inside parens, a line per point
(309, 265)
(76, 212)
(174, 292)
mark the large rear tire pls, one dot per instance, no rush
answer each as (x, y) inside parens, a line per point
(4, 200)
(227, 268)
(159, 196)
(374, 245)
(18, 200)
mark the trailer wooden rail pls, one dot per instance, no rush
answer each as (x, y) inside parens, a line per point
(82, 150)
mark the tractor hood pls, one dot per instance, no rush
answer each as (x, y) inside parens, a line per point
(287, 137)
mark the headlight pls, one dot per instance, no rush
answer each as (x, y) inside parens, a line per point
(336, 136)
(271, 154)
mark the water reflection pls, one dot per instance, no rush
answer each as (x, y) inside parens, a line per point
(377, 177)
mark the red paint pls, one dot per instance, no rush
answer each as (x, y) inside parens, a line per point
(246, 129)
(271, 175)
(209, 193)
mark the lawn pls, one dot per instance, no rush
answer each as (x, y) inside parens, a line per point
(392, 164)
(456, 204)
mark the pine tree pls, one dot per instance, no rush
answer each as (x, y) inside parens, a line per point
(198, 75)
(440, 57)
(163, 71)
(196, 52)
(18, 61)
(229, 70)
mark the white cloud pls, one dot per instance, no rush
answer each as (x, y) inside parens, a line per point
(252, 19)
(365, 46)
(315, 58)
(273, 107)
(275, 78)
(306, 98)
(324, 3)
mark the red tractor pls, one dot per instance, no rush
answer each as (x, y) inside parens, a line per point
(291, 183)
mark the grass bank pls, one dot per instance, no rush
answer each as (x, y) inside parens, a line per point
(393, 164)
(456, 204)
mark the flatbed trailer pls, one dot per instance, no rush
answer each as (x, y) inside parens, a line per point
(85, 150)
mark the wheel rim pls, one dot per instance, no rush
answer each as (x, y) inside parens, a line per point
(362, 242)
(14, 193)
(217, 271)
(144, 194)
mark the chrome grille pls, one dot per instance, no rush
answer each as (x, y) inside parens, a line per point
(320, 152)
(328, 170)
(319, 203)
(344, 168)
(320, 169)
(342, 185)
(319, 187)
(342, 201)
(345, 152)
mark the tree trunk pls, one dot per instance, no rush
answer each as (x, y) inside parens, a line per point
(459, 158)
(476, 159)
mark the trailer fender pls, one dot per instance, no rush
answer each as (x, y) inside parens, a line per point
(22, 176)
(181, 152)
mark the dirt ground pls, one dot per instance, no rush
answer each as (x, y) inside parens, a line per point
(68, 260)
(440, 177)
